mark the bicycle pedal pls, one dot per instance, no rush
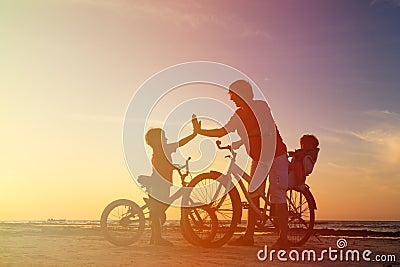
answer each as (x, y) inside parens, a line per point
(245, 205)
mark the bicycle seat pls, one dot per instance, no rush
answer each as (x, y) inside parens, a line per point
(145, 182)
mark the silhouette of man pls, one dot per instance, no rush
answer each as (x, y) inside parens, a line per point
(241, 93)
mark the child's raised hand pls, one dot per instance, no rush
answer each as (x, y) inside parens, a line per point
(196, 124)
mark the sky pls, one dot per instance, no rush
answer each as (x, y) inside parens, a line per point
(69, 70)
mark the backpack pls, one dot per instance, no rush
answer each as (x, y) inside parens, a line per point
(301, 165)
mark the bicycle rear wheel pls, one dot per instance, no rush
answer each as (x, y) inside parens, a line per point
(301, 216)
(217, 211)
(122, 222)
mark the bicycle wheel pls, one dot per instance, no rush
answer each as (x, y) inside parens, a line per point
(122, 222)
(213, 199)
(301, 216)
(200, 225)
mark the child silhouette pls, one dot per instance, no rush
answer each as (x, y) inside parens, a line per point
(303, 160)
(161, 178)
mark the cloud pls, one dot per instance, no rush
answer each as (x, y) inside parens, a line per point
(248, 32)
(384, 125)
(185, 14)
(386, 142)
(337, 136)
(369, 151)
(383, 115)
(198, 16)
(393, 3)
(383, 137)
(180, 13)
(99, 3)
(101, 118)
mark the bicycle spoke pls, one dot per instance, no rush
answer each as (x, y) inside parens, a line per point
(215, 221)
(301, 217)
(122, 222)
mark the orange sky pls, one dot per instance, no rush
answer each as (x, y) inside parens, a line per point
(70, 68)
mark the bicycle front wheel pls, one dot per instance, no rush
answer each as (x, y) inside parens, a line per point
(199, 226)
(216, 211)
(122, 222)
(301, 216)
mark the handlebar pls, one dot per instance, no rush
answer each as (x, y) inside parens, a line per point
(218, 142)
(228, 147)
(187, 163)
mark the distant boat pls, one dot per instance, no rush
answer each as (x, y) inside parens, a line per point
(56, 220)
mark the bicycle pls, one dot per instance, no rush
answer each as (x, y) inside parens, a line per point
(219, 196)
(123, 221)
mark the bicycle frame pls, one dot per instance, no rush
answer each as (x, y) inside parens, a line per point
(181, 191)
(235, 172)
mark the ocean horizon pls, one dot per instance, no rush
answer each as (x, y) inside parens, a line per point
(322, 227)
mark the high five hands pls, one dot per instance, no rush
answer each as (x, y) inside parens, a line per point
(196, 125)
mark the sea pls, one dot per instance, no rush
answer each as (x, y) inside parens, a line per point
(324, 227)
(373, 226)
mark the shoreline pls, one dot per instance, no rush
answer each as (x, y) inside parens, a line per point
(174, 225)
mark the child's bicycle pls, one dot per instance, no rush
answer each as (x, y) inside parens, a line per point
(219, 208)
(123, 221)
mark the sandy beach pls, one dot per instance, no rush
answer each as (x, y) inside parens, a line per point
(80, 245)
